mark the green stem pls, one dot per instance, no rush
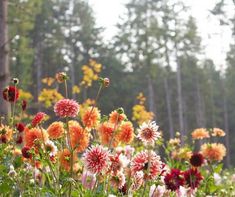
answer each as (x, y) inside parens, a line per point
(66, 88)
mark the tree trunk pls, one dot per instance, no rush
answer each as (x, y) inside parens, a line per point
(4, 56)
(169, 109)
(151, 95)
(38, 65)
(179, 94)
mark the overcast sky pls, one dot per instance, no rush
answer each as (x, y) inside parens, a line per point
(214, 38)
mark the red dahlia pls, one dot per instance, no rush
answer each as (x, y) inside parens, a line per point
(38, 118)
(197, 159)
(20, 127)
(11, 94)
(26, 152)
(174, 179)
(192, 177)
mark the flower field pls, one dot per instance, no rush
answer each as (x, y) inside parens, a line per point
(85, 153)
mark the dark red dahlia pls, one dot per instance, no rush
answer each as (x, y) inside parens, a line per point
(24, 105)
(38, 119)
(11, 94)
(20, 127)
(197, 159)
(123, 190)
(174, 179)
(19, 139)
(3, 139)
(26, 152)
(192, 178)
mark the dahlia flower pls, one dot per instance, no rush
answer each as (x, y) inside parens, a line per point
(11, 94)
(34, 134)
(20, 127)
(192, 178)
(148, 132)
(126, 133)
(214, 151)
(79, 137)
(200, 133)
(65, 158)
(138, 180)
(66, 108)
(196, 159)
(174, 179)
(91, 117)
(51, 148)
(105, 131)
(96, 159)
(216, 132)
(141, 161)
(38, 119)
(26, 152)
(56, 130)
(116, 118)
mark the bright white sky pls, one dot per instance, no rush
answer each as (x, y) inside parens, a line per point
(214, 38)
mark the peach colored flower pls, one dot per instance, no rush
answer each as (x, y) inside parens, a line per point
(200, 133)
(214, 151)
(5, 133)
(105, 131)
(216, 132)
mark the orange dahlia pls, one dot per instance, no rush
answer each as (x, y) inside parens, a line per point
(214, 151)
(91, 117)
(126, 133)
(218, 132)
(200, 133)
(79, 136)
(105, 132)
(34, 134)
(116, 118)
(56, 130)
(5, 133)
(64, 158)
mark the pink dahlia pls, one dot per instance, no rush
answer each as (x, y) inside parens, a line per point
(96, 159)
(142, 161)
(138, 180)
(38, 119)
(148, 132)
(66, 108)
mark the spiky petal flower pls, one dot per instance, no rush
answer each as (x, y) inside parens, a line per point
(174, 179)
(91, 117)
(38, 119)
(148, 132)
(196, 159)
(66, 108)
(192, 178)
(88, 179)
(138, 180)
(51, 148)
(96, 159)
(141, 161)
(11, 94)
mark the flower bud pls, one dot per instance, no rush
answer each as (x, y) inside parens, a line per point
(61, 77)
(106, 82)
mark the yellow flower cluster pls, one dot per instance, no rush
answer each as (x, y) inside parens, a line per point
(139, 112)
(48, 81)
(76, 89)
(24, 95)
(90, 73)
(49, 96)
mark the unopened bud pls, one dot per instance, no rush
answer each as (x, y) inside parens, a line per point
(61, 77)
(15, 81)
(106, 82)
(120, 110)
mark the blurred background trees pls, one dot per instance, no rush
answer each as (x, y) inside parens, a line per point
(156, 51)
